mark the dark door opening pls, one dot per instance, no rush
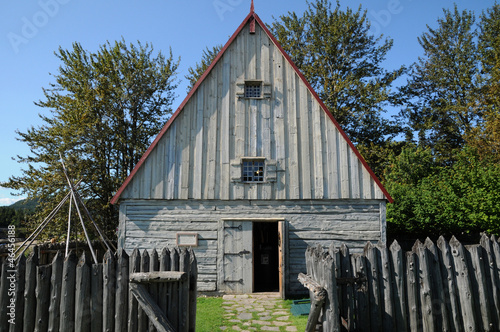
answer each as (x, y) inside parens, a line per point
(266, 257)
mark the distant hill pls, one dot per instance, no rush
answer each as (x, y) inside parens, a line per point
(16, 213)
(28, 205)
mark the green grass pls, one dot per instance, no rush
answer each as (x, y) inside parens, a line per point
(210, 315)
(299, 322)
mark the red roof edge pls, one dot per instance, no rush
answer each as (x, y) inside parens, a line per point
(251, 16)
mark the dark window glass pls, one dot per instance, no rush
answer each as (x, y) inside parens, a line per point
(253, 89)
(253, 170)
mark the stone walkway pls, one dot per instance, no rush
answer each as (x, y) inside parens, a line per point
(256, 312)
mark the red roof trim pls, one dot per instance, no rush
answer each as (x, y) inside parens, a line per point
(254, 17)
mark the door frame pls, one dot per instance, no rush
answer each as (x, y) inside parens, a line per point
(283, 237)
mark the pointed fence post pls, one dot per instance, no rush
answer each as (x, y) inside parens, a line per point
(142, 319)
(55, 291)
(154, 265)
(398, 279)
(184, 266)
(373, 276)
(67, 308)
(96, 297)
(121, 298)
(29, 291)
(193, 278)
(448, 275)
(19, 295)
(109, 289)
(438, 298)
(492, 272)
(463, 284)
(135, 266)
(42, 297)
(165, 289)
(4, 296)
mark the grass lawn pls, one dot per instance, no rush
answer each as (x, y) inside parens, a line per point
(210, 315)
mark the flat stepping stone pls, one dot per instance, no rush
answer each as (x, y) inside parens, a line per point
(261, 322)
(245, 316)
(280, 313)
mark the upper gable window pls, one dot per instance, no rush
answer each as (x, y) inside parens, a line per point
(252, 170)
(253, 89)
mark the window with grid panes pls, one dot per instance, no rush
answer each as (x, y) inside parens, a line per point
(253, 89)
(252, 170)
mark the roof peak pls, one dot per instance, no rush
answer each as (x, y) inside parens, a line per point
(252, 8)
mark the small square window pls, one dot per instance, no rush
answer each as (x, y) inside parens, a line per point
(252, 170)
(253, 89)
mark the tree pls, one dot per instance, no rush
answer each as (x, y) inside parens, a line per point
(195, 72)
(444, 85)
(489, 47)
(442, 200)
(342, 61)
(100, 113)
(486, 136)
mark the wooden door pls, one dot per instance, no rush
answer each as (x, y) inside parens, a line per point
(237, 257)
(282, 248)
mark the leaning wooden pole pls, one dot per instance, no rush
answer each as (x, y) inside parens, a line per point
(319, 295)
(69, 227)
(105, 239)
(39, 229)
(84, 228)
(73, 192)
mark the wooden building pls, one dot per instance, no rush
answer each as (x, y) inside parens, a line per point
(250, 170)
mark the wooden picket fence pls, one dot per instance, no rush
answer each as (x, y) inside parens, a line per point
(435, 287)
(142, 292)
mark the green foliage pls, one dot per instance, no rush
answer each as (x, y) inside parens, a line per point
(377, 156)
(443, 200)
(489, 48)
(197, 71)
(100, 113)
(342, 61)
(442, 102)
(10, 216)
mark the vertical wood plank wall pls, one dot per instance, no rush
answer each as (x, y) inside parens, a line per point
(193, 159)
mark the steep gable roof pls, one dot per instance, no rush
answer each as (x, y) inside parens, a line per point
(251, 19)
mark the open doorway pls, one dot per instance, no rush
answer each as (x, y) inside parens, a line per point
(266, 257)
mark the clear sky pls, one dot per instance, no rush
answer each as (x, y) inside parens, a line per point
(30, 32)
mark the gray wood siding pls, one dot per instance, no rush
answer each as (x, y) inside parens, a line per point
(216, 128)
(150, 224)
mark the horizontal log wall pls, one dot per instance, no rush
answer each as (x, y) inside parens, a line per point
(72, 294)
(149, 224)
(441, 286)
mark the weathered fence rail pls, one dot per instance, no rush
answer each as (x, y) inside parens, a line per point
(143, 292)
(442, 286)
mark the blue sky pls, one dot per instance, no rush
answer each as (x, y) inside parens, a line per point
(30, 32)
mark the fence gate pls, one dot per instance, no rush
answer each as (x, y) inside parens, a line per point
(143, 292)
(237, 257)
